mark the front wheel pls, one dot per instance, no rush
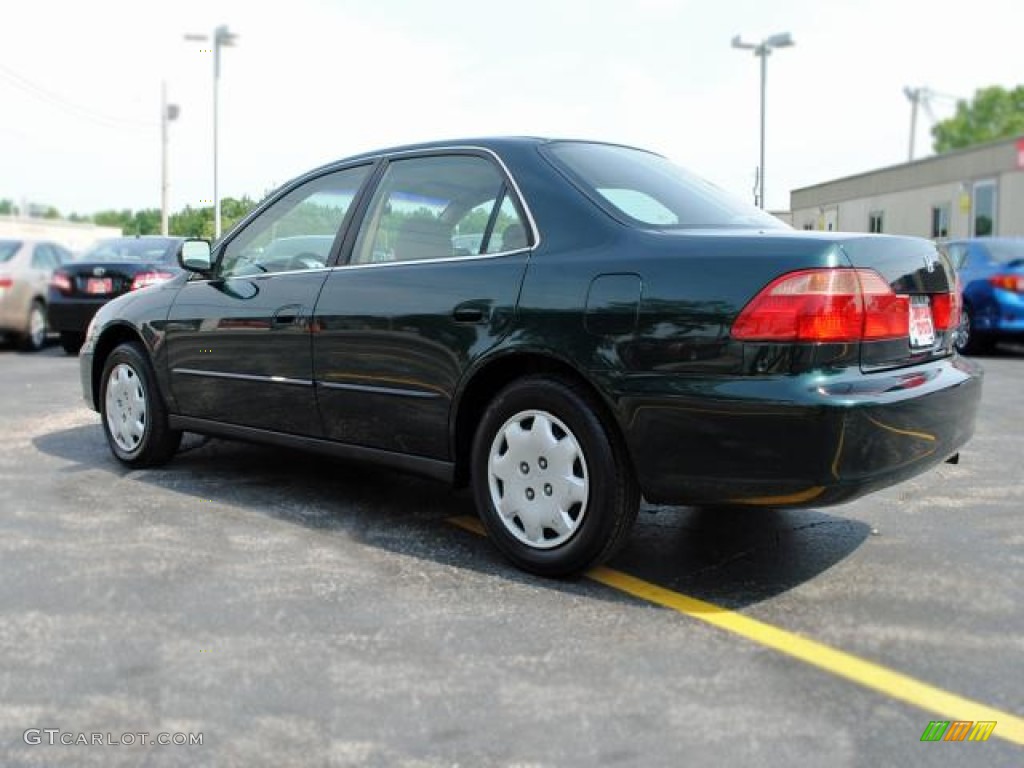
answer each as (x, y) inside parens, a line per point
(551, 479)
(133, 411)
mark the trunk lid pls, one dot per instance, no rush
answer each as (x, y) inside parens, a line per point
(915, 268)
(107, 279)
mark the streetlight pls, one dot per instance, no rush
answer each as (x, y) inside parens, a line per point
(763, 50)
(168, 112)
(221, 37)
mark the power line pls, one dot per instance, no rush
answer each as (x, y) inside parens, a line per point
(43, 94)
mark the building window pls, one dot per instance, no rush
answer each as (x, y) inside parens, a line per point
(875, 221)
(983, 220)
(940, 221)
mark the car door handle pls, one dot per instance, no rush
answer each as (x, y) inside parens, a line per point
(290, 314)
(470, 313)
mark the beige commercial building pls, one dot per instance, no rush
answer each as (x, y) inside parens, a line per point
(73, 235)
(968, 193)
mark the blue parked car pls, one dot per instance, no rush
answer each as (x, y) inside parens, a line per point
(991, 271)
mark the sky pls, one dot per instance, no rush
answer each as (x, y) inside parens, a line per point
(311, 81)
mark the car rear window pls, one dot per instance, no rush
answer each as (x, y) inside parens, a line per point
(647, 190)
(129, 250)
(7, 249)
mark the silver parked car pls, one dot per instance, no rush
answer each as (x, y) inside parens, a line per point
(25, 270)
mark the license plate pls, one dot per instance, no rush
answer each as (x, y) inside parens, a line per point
(98, 285)
(922, 329)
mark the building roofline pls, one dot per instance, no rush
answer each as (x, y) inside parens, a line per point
(922, 162)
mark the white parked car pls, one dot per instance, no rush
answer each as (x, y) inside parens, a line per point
(25, 270)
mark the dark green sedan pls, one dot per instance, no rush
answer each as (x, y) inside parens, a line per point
(565, 326)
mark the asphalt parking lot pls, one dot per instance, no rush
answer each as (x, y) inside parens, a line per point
(297, 611)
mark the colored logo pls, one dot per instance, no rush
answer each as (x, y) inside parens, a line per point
(958, 730)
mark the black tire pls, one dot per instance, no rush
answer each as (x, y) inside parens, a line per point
(34, 338)
(967, 340)
(135, 417)
(569, 427)
(72, 342)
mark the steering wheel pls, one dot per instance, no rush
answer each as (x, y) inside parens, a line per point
(306, 260)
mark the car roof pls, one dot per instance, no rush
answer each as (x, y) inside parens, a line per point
(493, 143)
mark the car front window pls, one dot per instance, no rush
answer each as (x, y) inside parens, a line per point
(297, 232)
(648, 191)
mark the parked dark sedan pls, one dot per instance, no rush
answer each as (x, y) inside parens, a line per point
(566, 326)
(991, 271)
(108, 269)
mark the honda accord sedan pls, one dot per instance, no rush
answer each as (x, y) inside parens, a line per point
(564, 326)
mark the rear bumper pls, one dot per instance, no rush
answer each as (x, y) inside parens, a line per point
(72, 315)
(808, 440)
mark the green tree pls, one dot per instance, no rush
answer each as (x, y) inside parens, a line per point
(191, 222)
(8, 208)
(994, 113)
(112, 218)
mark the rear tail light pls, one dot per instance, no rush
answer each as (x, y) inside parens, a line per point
(947, 307)
(145, 279)
(825, 305)
(1012, 283)
(61, 281)
(6, 282)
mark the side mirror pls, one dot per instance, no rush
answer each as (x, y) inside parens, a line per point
(195, 255)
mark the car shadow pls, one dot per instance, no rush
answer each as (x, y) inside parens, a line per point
(732, 557)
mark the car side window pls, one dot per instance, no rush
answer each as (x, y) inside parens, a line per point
(297, 232)
(44, 258)
(433, 208)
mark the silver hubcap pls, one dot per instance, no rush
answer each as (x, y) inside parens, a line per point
(37, 326)
(538, 479)
(126, 407)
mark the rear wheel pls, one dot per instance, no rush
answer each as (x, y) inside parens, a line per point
(34, 337)
(133, 411)
(552, 481)
(968, 341)
(72, 341)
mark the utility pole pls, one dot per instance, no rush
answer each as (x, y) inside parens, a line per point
(763, 50)
(168, 112)
(915, 95)
(221, 37)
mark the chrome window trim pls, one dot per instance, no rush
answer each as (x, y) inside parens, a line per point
(243, 377)
(373, 160)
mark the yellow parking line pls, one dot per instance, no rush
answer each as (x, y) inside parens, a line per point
(866, 673)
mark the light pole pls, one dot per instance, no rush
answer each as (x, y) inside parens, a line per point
(763, 51)
(168, 112)
(221, 37)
